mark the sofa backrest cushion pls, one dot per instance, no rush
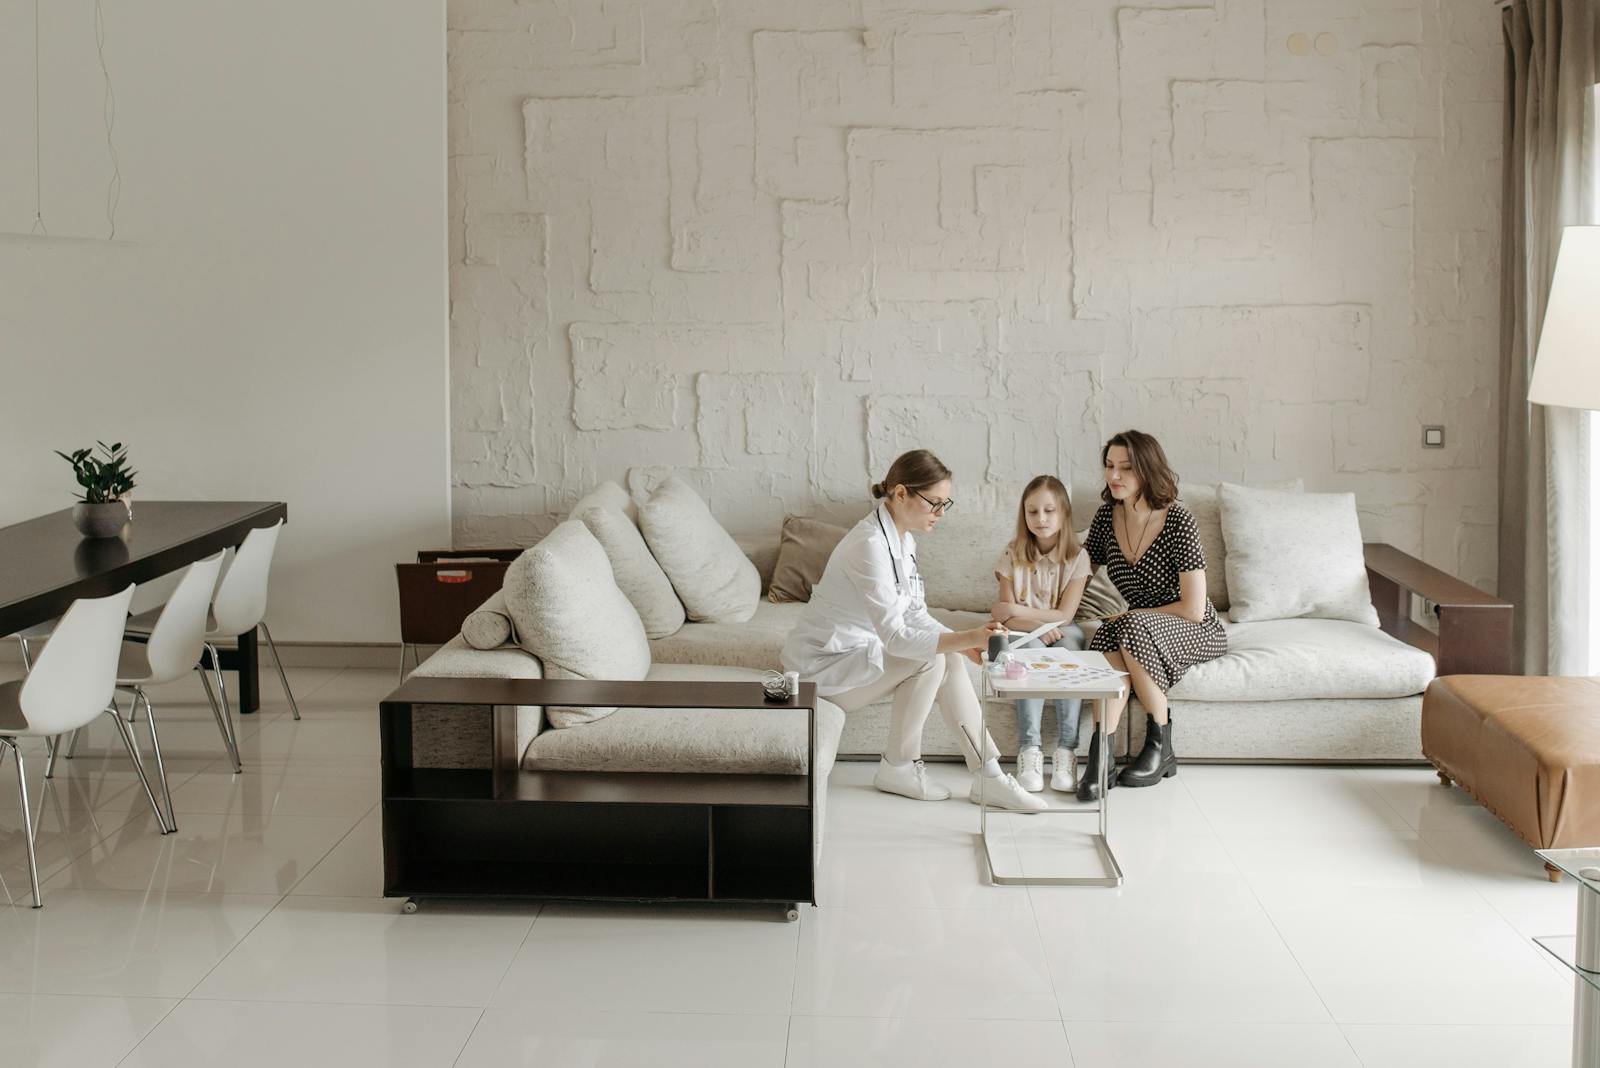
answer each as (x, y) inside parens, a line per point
(957, 558)
(1204, 504)
(715, 580)
(803, 550)
(568, 611)
(637, 574)
(1293, 555)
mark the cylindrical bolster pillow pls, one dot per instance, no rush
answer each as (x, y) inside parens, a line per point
(489, 625)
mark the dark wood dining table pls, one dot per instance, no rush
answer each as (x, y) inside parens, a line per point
(45, 564)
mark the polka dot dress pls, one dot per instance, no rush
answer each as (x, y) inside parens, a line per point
(1164, 644)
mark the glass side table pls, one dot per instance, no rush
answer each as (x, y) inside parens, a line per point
(1082, 674)
(1581, 952)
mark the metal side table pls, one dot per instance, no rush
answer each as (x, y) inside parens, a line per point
(1581, 952)
(1101, 684)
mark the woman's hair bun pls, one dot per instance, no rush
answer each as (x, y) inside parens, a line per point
(877, 490)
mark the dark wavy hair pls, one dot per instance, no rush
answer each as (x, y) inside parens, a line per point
(1158, 483)
(915, 470)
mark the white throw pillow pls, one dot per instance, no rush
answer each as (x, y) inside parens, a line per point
(1206, 506)
(956, 560)
(638, 576)
(715, 580)
(568, 612)
(1293, 555)
(607, 495)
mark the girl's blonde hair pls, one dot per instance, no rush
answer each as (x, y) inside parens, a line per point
(1025, 549)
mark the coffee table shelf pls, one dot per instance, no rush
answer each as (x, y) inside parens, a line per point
(502, 831)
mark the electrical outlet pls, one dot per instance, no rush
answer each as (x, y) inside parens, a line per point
(1433, 437)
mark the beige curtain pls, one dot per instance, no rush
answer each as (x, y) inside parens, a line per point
(1552, 56)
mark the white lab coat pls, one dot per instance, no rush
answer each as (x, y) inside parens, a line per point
(868, 603)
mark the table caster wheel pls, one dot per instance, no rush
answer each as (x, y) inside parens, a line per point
(409, 907)
(792, 914)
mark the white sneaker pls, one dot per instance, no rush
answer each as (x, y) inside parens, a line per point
(1064, 771)
(908, 780)
(1030, 769)
(1003, 792)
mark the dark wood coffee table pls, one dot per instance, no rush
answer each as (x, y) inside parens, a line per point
(503, 831)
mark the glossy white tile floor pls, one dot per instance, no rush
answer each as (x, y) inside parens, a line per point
(1272, 916)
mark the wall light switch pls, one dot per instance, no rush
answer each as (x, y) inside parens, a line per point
(1433, 437)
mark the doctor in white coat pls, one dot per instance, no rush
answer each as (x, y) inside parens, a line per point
(866, 634)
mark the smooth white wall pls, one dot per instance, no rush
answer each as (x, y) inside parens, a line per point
(270, 322)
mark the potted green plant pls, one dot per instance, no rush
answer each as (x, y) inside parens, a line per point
(103, 509)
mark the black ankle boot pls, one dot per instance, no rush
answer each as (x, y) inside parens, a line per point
(1089, 784)
(1155, 761)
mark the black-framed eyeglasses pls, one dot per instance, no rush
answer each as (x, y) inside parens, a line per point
(939, 507)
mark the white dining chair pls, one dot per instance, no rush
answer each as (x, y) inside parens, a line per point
(238, 607)
(170, 652)
(71, 682)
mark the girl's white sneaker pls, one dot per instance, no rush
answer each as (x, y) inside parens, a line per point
(1030, 769)
(1003, 791)
(1064, 771)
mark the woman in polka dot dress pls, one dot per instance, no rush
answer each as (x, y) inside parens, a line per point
(1150, 547)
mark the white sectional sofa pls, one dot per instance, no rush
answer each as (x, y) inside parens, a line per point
(1289, 690)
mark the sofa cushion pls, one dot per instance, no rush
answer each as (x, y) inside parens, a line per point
(637, 574)
(715, 580)
(804, 546)
(1293, 555)
(1303, 659)
(752, 644)
(760, 741)
(569, 613)
(1205, 504)
(489, 625)
(956, 559)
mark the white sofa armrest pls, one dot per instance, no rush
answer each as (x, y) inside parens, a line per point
(458, 660)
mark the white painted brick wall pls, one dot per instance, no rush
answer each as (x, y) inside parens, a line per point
(769, 245)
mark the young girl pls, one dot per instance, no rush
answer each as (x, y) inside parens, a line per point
(1042, 575)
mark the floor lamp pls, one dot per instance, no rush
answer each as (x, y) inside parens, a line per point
(1566, 372)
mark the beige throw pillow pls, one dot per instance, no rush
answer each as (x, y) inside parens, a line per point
(803, 550)
(714, 579)
(1293, 555)
(568, 611)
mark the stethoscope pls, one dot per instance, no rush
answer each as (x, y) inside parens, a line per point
(899, 584)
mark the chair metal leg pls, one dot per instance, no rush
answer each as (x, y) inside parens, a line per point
(138, 767)
(27, 824)
(55, 745)
(161, 767)
(77, 736)
(224, 714)
(282, 677)
(402, 670)
(27, 655)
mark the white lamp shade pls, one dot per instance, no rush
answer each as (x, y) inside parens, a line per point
(1566, 366)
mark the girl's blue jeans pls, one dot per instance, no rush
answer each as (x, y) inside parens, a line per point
(1030, 710)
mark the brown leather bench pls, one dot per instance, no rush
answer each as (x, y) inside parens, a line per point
(1527, 749)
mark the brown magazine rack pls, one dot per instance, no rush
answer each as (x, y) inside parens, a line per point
(441, 589)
